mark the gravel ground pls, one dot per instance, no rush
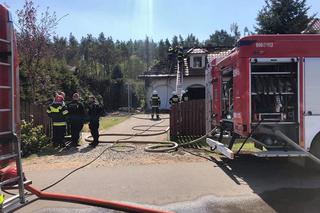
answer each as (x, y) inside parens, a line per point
(74, 157)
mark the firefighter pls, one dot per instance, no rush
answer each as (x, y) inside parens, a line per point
(174, 99)
(76, 118)
(58, 112)
(155, 104)
(95, 111)
(185, 96)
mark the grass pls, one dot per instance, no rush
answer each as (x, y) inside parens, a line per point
(248, 147)
(107, 122)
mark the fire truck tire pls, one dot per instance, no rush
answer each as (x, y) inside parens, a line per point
(315, 146)
(315, 150)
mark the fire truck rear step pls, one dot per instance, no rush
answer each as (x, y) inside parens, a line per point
(220, 148)
(280, 154)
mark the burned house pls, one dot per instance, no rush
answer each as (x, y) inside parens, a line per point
(162, 77)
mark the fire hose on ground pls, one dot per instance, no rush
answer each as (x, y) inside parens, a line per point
(91, 201)
(11, 172)
(160, 146)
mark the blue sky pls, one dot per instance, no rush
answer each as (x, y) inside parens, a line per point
(125, 19)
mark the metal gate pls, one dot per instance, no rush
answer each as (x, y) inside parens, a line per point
(187, 119)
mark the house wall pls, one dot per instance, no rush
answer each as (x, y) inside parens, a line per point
(165, 87)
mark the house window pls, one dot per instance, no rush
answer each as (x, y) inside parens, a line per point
(197, 62)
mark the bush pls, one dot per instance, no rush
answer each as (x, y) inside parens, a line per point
(33, 139)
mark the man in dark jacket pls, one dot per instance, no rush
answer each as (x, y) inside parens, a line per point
(155, 104)
(76, 118)
(95, 111)
(58, 112)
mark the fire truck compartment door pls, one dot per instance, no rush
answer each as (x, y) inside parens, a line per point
(311, 99)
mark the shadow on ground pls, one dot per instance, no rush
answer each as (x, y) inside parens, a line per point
(280, 183)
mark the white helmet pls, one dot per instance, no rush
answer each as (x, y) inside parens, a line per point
(182, 92)
(154, 92)
(174, 93)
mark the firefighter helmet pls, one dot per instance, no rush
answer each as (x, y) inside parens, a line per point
(58, 99)
(174, 93)
(154, 92)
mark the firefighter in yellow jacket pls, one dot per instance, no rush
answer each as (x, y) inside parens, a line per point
(155, 104)
(57, 111)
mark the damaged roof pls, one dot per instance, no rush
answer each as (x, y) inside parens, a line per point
(197, 51)
(313, 27)
(164, 69)
(168, 68)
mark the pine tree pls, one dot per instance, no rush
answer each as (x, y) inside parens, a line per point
(162, 51)
(175, 41)
(191, 41)
(283, 17)
(220, 38)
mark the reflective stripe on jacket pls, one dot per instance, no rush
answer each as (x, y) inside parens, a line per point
(174, 99)
(57, 112)
(155, 101)
(59, 123)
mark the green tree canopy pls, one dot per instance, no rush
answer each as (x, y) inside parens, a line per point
(283, 17)
(191, 41)
(116, 72)
(135, 67)
(221, 38)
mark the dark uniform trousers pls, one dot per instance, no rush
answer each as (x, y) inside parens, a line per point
(58, 135)
(94, 129)
(76, 127)
(155, 110)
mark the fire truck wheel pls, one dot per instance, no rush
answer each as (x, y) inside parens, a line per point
(315, 146)
(315, 150)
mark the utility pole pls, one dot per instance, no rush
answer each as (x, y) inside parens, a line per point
(128, 98)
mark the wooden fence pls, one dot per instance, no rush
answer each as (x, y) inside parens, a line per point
(187, 119)
(39, 115)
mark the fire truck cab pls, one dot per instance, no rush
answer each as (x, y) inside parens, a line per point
(267, 89)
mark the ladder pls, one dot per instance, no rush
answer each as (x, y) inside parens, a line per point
(8, 137)
(179, 79)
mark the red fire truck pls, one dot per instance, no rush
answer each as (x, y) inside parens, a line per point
(266, 90)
